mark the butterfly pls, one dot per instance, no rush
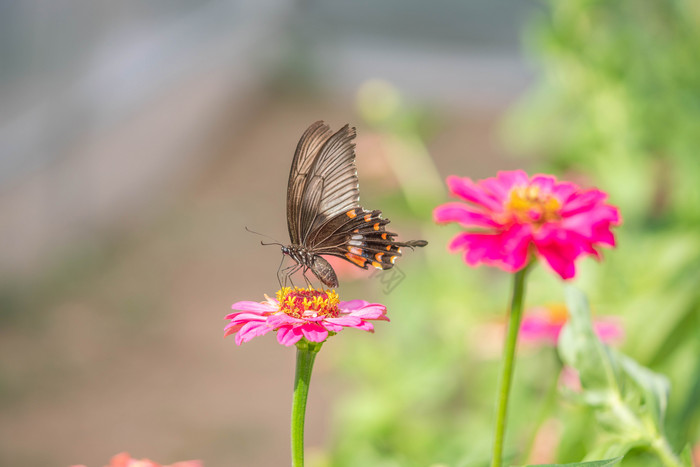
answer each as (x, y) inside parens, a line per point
(324, 216)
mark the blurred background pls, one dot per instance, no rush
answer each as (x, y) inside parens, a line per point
(137, 139)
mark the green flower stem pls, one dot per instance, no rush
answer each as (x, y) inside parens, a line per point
(516, 313)
(306, 354)
(664, 452)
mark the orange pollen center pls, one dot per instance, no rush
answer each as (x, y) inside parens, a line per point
(557, 314)
(529, 205)
(308, 303)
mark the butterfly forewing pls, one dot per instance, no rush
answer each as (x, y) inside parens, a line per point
(305, 155)
(335, 164)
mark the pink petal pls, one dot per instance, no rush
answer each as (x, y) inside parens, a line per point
(369, 311)
(352, 305)
(603, 235)
(250, 330)
(583, 201)
(469, 191)
(244, 316)
(460, 213)
(289, 335)
(508, 250)
(564, 190)
(560, 257)
(608, 331)
(314, 332)
(345, 320)
(365, 326)
(515, 249)
(331, 326)
(254, 307)
(281, 319)
(504, 182)
(537, 328)
(546, 183)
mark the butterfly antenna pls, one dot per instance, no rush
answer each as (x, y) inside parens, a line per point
(274, 242)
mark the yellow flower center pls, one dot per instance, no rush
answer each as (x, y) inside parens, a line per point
(557, 314)
(528, 204)
(308, 303)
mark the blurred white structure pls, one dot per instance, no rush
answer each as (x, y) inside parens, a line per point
(107, 103)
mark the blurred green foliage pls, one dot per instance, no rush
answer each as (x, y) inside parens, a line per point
(617, 106)
(629, 401)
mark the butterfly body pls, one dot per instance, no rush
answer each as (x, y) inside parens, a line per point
(324, 216)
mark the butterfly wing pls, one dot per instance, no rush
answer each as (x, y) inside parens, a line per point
(299, 211)
(323, 211)
(323, 180)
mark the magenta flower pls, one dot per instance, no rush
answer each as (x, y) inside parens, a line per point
(542, 325)
(125, 460)
(512, 218)
(296, 313)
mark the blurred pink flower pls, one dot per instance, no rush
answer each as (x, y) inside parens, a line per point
(542, 325)
(512, 218)
(546, 441)
(297, 313)
(125, 460)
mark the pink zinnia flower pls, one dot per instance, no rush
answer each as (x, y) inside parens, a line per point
(125, 460)
(512, 218)
(296, 313)
(542, 325)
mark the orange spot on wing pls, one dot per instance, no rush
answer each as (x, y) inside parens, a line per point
(393, 259)
(359, 260)
(355, 250)
(376, 226)
(376, 265)
(388, 248)
(368, 217)
(384, 236)
(351, 214)
(378, 256)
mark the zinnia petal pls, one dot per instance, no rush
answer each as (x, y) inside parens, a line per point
(460, 213)
(469, 191)
(314, 332)
(289, 335)
(250, 330)
(254, 307)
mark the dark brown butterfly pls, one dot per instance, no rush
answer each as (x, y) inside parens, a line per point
(324, 215)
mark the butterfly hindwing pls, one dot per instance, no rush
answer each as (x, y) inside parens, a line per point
(359, 237)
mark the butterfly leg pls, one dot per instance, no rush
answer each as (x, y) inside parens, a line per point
(289, 272)
(279, 272)
(285, 272)
(306, 279)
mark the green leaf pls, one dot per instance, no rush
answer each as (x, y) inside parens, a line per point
(580, 348)
(629, 400)
(600, 463)
(654, 387)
